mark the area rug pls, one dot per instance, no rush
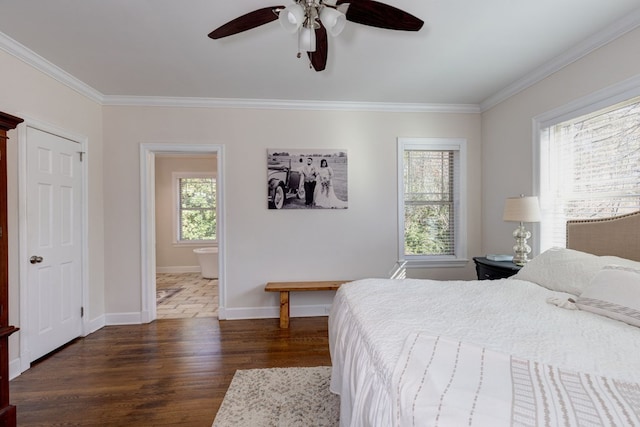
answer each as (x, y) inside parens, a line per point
(287, 397)
(164, 294)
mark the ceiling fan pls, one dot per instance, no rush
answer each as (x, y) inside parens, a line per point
(312, 19)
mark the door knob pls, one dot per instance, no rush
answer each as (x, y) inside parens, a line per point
(35, 259)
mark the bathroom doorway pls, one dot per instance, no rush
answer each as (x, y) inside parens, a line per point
(179, 182)
(185, 295)
(186, 235)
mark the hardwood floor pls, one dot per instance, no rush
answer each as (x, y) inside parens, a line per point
(169, 372)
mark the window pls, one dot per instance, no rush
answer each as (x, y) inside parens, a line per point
(195, 207)
(589, 168)
(431, 174)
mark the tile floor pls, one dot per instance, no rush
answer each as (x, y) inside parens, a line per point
(182, 295)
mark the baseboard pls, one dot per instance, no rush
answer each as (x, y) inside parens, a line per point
(134, 318)
(15, 368)
(309, 310)
(91, 326)
(274, 312)
(179, 269)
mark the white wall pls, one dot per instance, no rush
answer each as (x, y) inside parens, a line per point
(28, 93)
(169, 256)
(507, 148)
(266, 245)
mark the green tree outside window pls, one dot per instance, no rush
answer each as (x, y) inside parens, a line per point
(197, 209)
(428, 204)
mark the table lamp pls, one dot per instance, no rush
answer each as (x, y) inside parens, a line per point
(521, 209)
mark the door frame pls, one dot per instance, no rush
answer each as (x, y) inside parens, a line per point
(148, 153)
(23, 258)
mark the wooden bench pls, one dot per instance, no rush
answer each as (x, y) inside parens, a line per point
(285, 287)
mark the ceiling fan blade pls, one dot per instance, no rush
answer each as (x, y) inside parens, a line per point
(376, 14)
(319, 57)
(247, 22)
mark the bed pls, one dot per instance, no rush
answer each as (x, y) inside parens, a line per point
(556, 344)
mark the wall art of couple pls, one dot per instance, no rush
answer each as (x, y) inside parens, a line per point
(307, 179)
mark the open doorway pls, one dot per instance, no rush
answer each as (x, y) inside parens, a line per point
(178, 279)
(186, 235)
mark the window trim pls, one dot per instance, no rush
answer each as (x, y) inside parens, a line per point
(459, 145)
(175, 177)
(588, 104)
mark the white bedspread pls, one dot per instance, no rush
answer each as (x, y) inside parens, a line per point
(444, 382)
(371, 319)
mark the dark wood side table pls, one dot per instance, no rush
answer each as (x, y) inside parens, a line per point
(491, 270)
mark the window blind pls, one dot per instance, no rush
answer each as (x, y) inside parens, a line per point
(590, 168)
(429, 202)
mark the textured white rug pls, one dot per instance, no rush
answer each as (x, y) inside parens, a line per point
(282, 397)
(164, 294)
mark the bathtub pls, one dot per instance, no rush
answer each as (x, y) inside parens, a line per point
(208, 260)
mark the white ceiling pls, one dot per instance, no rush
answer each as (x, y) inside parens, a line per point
(467, 51)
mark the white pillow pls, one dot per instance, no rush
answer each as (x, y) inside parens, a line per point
(562, 270)
(623, 262)
(615, 293)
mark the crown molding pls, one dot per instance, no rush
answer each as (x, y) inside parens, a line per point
(28, 56)
(277, 104)
(588, 45)
(623, 26)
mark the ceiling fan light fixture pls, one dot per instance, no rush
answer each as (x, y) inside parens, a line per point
(333, 20)
(307, 39)
(314, 20)
(291, 18)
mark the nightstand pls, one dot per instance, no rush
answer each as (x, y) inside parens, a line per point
(491, 270)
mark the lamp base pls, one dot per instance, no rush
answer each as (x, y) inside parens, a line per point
(521, 249)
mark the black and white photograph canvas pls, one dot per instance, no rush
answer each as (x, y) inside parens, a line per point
(307, 179)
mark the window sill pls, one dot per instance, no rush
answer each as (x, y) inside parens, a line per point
(200, 243)
(437, 263)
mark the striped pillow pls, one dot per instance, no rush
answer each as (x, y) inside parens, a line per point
(614, 292)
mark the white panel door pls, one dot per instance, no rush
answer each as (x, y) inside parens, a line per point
(54, 224)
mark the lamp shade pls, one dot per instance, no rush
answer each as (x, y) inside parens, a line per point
(333, 20)
(307, 39)
(522, 209)
(291, 18)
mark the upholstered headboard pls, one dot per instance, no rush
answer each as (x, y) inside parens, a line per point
(617, 236)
